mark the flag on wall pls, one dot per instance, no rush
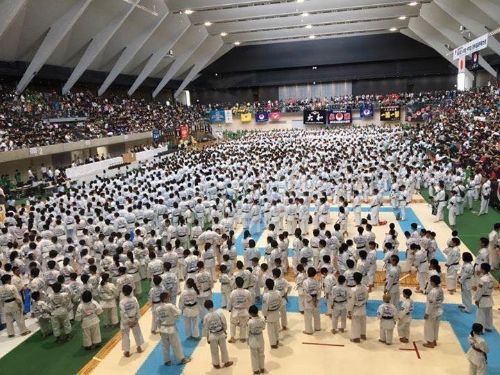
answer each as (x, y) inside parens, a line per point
(261, 117)
(216, 116)
(246, 117)
(228, 116)
(366, 110)
(275, 116)
(184, 132)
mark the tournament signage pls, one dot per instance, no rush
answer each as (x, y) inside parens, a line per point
(261, 117)
(366, 110)
(228, 116)
(275, 116)
(340, 116)
(217, 115)
(418, 112)
(184, 133)
(468, 48)
(390, 113)
(156, 134)
(315, 117)
(246, 117)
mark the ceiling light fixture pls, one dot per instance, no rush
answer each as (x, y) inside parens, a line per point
(223, 33)
(237, 43)
(188, 11)
(393, 29)
(309, 26)
(208, 23)
(312, 36)
(402, 18)
(300, 1)
(413, 3)
(305, 14)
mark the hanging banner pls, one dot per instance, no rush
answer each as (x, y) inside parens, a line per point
(366, 110)
(461, 64)
(261, 117)
(275, 116)
(228, 116)
(315, 117)
(468, 48)
(246, 117)
(390, 113)
(156, 135)
(340, 116)
(216, 116)
(418, 112)
(184, 134)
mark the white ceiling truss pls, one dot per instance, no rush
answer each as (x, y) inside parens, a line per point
(177, 39)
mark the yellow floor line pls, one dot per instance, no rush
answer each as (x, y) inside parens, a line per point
(107, 348)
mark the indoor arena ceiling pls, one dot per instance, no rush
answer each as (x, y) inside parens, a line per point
(176, 39)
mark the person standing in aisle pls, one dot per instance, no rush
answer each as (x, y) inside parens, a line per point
(433, 312)
(11, 304)
(215, 330)
(477, 355)
(387, 314)
(129, 320)
(483, 299)
(239, 301)
(256, 326)
(271, 305)
(167, 315)
(312, 292)
(357, 309)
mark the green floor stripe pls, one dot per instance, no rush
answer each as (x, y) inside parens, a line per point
(471, 227)
(42, 355)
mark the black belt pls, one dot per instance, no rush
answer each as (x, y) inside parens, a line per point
(9, 300)
(155, 302)
(274, 309)
(387, 318)
(454, 264)
(214, 333)
(191, 305)
(334, 301)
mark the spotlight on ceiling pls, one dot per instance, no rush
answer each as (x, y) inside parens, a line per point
(188, 11)
(237, 43)
(223, 33)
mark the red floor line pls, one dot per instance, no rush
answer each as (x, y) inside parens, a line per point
(319, 344)
(416, 349)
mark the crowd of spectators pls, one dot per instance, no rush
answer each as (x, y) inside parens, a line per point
(353, 101)
(28, 120)
(466, 131)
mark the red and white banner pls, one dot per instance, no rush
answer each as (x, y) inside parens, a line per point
(184, 132)
(275, 116)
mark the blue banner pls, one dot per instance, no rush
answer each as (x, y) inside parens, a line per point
(216, 115)
(261, 116)
(366, 110)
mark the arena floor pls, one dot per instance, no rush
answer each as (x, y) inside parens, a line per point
(299, 353)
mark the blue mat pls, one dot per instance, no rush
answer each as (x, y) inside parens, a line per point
(460, 323)
(404, 225)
